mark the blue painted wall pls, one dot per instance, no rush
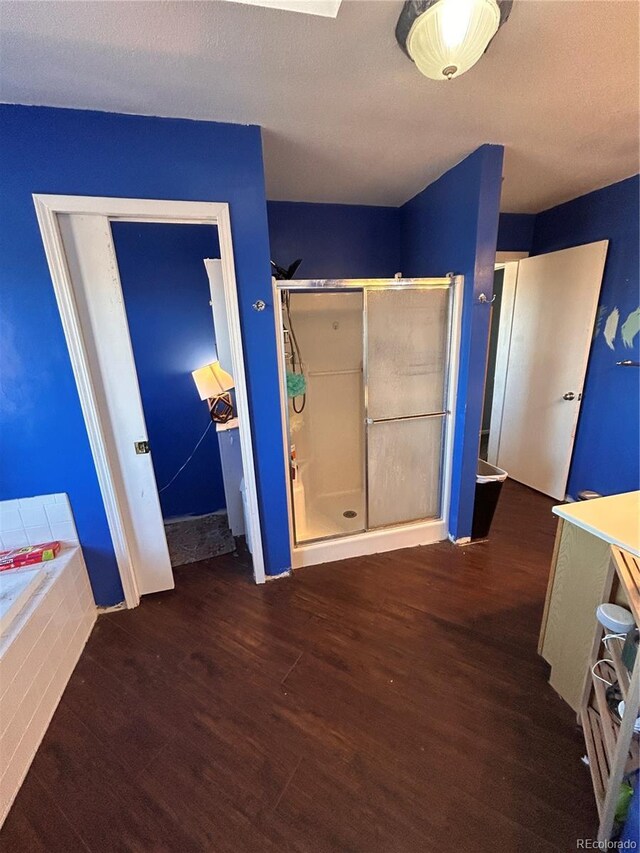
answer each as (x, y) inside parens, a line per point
(605, 456)
(452, 226)
(44, 441)
(515, 232)
(166, 293)
(336, 240)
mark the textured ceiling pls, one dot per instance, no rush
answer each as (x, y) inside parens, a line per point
(346, 116)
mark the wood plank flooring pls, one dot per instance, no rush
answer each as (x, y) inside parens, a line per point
(392, 703)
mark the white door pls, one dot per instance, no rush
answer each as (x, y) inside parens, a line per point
(553, 319)
(91, 260)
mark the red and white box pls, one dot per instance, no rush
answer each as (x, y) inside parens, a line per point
(29, 555)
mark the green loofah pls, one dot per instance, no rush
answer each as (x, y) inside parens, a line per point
(296, 384)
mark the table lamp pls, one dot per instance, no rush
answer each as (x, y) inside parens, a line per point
(213, 384)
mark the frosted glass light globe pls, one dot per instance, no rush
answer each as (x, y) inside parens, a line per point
(451, 36)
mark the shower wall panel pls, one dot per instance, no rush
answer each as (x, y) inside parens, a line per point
(328, 434)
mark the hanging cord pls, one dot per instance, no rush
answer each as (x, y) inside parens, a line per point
(608, 637)
(180, 470)
(295, 351)
(605, 641)
(599, 677)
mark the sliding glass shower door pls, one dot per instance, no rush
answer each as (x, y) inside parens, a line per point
(366, 376)
(406, 357)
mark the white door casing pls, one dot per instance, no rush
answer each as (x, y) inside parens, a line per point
(555, 307)
(112, 403)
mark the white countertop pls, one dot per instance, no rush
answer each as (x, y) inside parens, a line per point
(615, 519)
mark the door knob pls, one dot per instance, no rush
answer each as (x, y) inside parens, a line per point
(569, 396)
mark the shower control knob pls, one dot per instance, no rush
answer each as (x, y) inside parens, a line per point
(260, 305)
(569, 396)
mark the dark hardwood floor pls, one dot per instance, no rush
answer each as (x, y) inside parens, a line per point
(392, 703)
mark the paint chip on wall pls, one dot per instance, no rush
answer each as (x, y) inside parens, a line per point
(611, 327)
(630, 328)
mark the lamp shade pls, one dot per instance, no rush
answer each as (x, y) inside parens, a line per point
(211, 380)
(451, 35)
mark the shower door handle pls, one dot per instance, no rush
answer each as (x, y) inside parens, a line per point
(369, 421)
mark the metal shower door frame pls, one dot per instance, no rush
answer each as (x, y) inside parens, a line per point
(449, 283)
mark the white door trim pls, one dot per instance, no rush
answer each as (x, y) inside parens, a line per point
(48, 208)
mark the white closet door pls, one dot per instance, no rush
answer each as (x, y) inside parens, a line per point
(553, 320)
(90, 255)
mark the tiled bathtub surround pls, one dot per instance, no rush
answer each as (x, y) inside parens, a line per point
(40, 647)
(29, 521)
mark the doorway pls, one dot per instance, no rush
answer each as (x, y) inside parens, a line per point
(78, 240)
(543, 316)
(167, 297)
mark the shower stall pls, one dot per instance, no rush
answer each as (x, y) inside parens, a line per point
(368, 374)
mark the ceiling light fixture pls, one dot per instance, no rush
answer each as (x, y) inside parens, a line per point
(445, 38)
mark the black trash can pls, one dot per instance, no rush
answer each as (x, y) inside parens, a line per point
(489, 480)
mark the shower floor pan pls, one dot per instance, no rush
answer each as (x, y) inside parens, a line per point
(332, 515)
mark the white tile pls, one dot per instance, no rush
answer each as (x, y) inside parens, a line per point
(86, 598)
(37, 666)
(64, 530)
(23, 680)
(58, 512)
(33, 515)
(14, 538)
(64, 499)
(48, 499)
(25, 629)
(26, 503)
(12, 504)
(10, 519)
(22, 647)
(30, 700)
(38, 535)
